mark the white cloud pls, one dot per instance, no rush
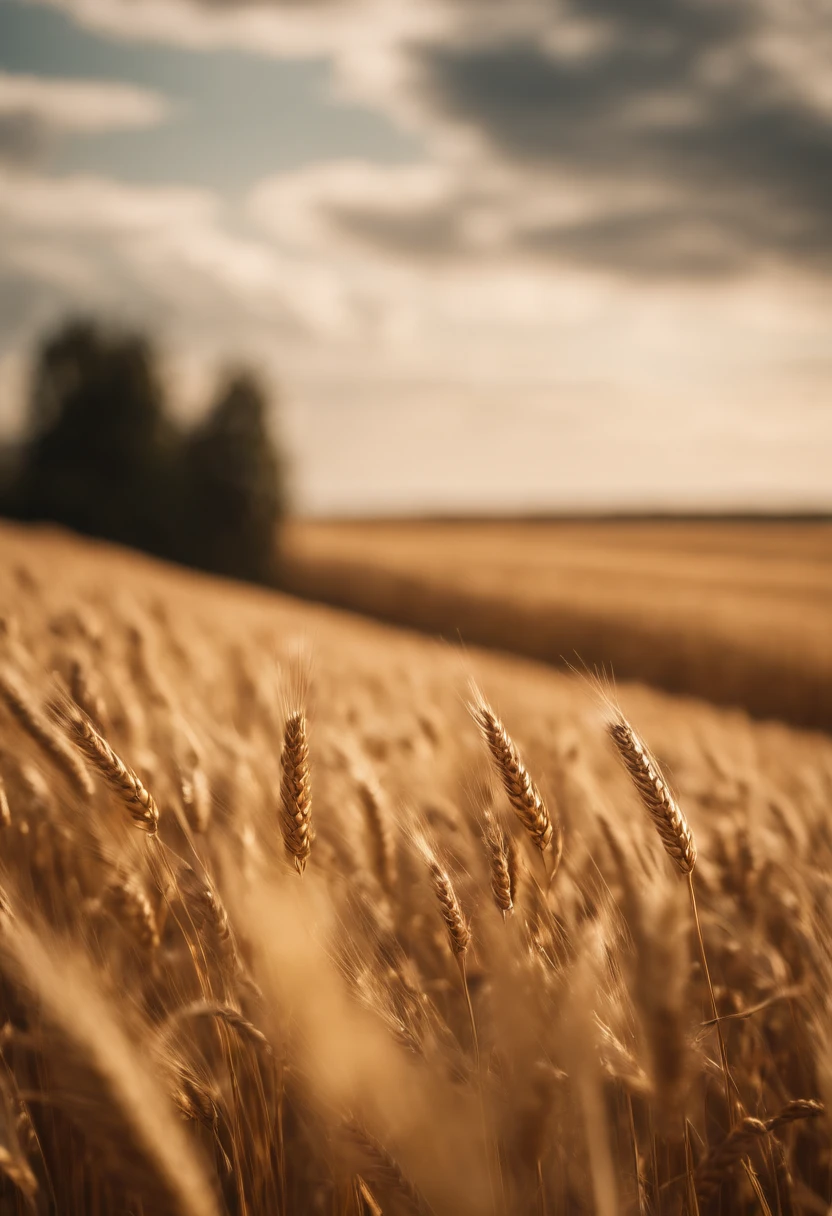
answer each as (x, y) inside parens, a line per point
(32, 203)
(161, 256)
(298, 28)
(80, 105)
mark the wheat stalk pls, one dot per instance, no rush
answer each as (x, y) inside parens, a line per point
(678, 842)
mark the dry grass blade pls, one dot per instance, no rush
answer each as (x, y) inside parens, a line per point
(295, 790)
(655, 795)
(523, 794)
(38, 727)
(121, 779)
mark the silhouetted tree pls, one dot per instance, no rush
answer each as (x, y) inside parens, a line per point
(103, 457)
(101, 448)
(233, 476)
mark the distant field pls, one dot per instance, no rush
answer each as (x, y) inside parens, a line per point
(738, 613)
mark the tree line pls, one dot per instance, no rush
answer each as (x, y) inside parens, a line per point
(102, 455)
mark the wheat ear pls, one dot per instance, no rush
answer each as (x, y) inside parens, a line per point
(295, 790)
(129, 904)
(116, 773)
(656, 798)
(459, 933)
(384, 1168)
(88, 699)
(499, 864)
(232, 1017)
(523, 794)
(372, 802)
(740, 1140)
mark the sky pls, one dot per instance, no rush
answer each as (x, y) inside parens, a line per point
(500, 257)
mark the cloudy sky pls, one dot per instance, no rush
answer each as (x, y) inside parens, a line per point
(526, 255)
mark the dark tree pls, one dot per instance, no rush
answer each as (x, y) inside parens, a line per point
(103, 457)
(234, 482)
(100, 452)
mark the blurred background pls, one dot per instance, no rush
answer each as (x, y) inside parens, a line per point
(458, 259)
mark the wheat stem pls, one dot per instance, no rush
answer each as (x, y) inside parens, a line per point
(723, 1055)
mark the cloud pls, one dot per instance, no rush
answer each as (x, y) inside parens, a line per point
(608, 280)
(164, 257)
(683, 97)
(272, 27)
(382, 356)
(81, 105)
(33, 203)
(34, 110)
(689, 138)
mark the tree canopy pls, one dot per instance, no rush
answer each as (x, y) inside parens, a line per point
(103, 456)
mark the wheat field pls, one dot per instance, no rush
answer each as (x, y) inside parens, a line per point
(736, 612)
(305, 914)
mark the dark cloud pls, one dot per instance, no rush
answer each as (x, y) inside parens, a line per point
(667, 96)
(645, 106)
(434, 231)
(24, 138)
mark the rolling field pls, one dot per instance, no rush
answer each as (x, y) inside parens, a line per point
(293, 922)
(737, 613)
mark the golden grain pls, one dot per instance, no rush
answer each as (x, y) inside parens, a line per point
(655, 795)
(288, 1046)
(121, 779)
(295, 791)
